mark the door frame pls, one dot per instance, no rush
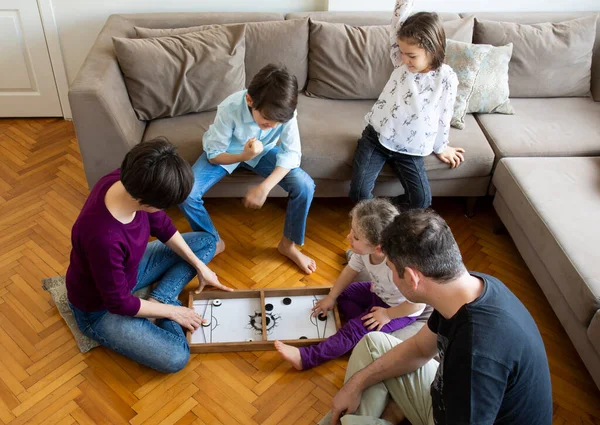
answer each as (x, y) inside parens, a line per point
(50, 28)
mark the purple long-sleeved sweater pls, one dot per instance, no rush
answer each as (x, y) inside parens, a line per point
(106, 253)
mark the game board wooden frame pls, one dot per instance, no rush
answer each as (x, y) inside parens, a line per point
(264, 344)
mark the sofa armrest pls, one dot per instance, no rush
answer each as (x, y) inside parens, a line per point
(105, 122)
(593, 332)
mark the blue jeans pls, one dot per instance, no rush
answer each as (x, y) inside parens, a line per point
(161, 346)
(369, 159)
(297, 183)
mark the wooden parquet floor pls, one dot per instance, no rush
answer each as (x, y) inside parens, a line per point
(44, 379)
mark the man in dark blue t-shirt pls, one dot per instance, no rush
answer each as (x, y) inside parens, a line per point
(492, 363)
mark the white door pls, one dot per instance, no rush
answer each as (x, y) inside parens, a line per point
(27, 85)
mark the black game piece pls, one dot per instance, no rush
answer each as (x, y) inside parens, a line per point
(269, 307)
(322, 317)
(268, 320)
(303, 337)
(287, 301)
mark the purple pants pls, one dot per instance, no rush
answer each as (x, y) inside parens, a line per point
(355, 302)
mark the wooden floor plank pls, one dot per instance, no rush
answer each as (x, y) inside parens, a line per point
(45, 379)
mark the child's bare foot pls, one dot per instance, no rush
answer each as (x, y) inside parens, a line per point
(392, 413)
(220, 247)
(289, 353)
(288, 248)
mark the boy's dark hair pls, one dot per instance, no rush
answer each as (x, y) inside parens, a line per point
(372, 217)
(426, 30)
(274, 93)
(155, 175)
(422, 240)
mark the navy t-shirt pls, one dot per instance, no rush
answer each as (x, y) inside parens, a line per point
(493, 365)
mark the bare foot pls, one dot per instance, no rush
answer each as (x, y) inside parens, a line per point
(289, 249)
(289, 353)
(392, 413)
(220, 247)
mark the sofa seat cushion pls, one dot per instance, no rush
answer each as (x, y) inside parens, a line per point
(330, 130)
(545, 127)
(556, 201)
(594, 332)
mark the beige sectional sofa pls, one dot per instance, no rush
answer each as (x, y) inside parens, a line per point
(107, 126)
(549, 205)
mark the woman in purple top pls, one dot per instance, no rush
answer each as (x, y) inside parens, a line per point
(111, 258)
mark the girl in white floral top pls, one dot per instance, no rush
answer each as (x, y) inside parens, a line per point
(411, 118)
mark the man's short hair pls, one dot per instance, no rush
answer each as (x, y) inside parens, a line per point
(422, 240)
(274, 93)
(155, 175)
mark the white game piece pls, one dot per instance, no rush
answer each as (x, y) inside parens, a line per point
(206, 323)
(216, 303)
(249, 340)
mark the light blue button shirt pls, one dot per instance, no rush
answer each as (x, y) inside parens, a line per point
(234, 126)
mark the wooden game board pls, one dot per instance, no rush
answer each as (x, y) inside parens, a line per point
(252, 320)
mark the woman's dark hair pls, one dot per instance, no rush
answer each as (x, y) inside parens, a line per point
(425, 29)
(422, 240)
(155, 175)
(274, 93)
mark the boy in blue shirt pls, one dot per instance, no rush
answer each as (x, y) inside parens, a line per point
(245, 133)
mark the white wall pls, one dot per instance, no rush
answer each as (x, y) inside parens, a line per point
(80, 21)
(472, 5)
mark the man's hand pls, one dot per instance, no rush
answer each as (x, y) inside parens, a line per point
(208, 277)
(252, 148)
(376, 319)
(452, 156)
(256, 197)
(346, 401)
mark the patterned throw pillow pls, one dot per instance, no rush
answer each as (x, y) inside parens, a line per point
(491, 91)
(465, 59)
(57, 288)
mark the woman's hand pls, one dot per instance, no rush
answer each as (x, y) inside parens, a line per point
(207, 277)
(186, 317)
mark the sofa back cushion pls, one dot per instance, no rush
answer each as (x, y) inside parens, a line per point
(353, 62)
(182, 74)
(283, 42)
(549, 59)
(530, 18)
(357, 18)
